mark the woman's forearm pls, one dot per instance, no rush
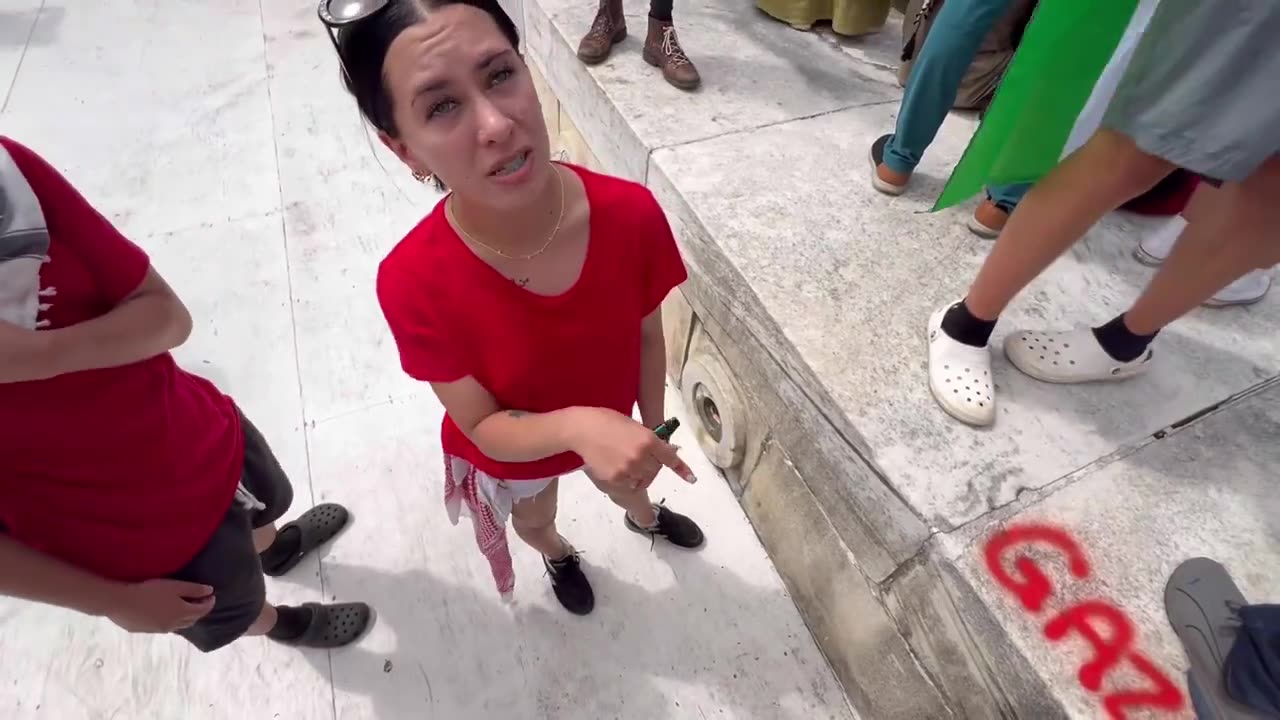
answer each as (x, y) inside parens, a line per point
(151, 322)
(31, 575)
(515, 436)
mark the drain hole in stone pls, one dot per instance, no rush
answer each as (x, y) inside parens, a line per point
(708, 413)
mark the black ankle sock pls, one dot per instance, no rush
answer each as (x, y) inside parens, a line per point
(960, 325)
(660, 10)
(1121, 343)
(291, 622)
(284, 547)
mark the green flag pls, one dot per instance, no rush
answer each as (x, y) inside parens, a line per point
(1064, 52)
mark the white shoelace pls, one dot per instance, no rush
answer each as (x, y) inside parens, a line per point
(671, 46)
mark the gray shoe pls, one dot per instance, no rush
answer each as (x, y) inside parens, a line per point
(1201, 600)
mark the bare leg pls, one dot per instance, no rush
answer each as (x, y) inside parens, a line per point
(1096, 179)
(266, 620)
(1201, 203)
(534, 521)
(1233, 233)
(636, 502)
(263, 537)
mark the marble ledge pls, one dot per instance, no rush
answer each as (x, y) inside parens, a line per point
(625, 110)
(837, 280)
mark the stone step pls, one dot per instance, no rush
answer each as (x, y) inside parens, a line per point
(801, 338)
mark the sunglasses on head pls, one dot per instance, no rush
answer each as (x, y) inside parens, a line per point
(337, 14)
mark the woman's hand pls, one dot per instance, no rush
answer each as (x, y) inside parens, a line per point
(25, 355)
(160, 606)
(621, 452)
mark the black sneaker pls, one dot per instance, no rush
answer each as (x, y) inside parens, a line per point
(569, 584)
(672, 526)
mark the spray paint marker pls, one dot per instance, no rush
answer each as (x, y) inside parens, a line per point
(664, 433)
(667, 429)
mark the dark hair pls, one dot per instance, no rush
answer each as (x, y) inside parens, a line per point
(363, 48)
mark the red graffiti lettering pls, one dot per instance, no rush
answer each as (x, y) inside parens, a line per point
(1108, 650)
(1104, 626)
(1165, 695)
(1034, 589)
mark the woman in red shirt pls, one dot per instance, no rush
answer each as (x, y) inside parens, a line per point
(529, 298)
(129, 488)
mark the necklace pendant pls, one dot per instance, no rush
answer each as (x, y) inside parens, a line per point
(453, 220)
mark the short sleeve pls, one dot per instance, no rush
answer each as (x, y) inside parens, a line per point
(426, 353)
(665, 268)
(117, 265)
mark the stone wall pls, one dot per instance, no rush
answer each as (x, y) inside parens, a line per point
(841, 605)
(566, 142)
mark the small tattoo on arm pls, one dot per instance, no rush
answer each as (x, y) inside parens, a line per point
(522, 282)
(517, 413)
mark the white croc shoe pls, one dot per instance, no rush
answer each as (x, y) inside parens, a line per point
(1069, 357)
(960, 376)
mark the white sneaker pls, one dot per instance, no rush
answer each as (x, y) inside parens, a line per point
(960, 376)
(1154, 249)
(1246, 291)
(1069, 357)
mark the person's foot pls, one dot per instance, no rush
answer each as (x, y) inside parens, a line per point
(670, 526)
(960, 375)
(988, 220)
(321, 626)
(608, 29)
(1246, 291)
(1154, 249)
(662, 50)
(312, 529)
(1074, 356)
(883, 179)
(570, 585)
(1205, 607)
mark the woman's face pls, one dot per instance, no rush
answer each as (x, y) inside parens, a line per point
(465, 108)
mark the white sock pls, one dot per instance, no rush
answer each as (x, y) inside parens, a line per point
(641, 525)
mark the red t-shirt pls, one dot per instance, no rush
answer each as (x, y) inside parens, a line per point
(125, 472)
(453, 315)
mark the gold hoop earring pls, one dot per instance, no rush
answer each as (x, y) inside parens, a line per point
(421, 176)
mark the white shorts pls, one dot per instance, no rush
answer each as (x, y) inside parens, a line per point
(501, 495)
(488, 500)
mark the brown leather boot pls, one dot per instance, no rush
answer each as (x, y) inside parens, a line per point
(662, 50)
(608, 29)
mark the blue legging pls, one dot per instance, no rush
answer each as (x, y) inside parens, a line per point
(940, 65)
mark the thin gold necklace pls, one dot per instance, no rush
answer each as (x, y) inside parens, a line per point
(448, 209)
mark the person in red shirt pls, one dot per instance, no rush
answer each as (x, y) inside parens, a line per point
(529, 298)
(129, 488)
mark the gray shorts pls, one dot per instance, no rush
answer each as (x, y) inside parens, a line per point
(228, 563)
(1203, 88)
